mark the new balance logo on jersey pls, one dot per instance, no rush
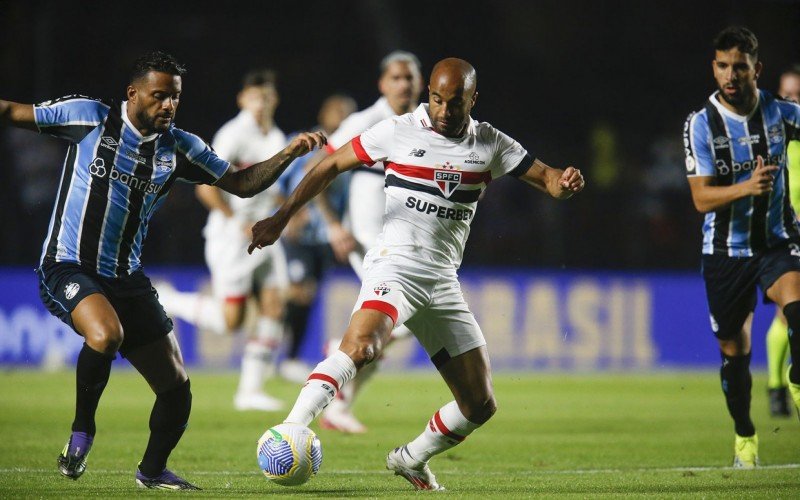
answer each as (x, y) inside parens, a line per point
(474, 159)
(447, 181)
(419, 153)
(108, 143)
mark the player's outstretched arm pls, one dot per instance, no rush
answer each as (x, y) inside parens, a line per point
(17, 115)
(708, 197)
(251, 181)
(267, 231)
(557, 183)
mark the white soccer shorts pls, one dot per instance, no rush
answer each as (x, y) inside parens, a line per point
(235, 273)
(428, 300)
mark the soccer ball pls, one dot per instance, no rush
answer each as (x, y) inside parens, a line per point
(289, 454)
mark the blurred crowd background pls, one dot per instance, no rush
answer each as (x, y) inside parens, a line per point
(604, 86)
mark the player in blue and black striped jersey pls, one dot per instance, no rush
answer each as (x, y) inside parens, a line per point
(122, 161)
(736, 164)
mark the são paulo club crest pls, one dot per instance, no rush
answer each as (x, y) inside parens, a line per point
(447, 179)
(382, 289)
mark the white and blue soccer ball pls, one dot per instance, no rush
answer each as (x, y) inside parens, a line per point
(289, 454)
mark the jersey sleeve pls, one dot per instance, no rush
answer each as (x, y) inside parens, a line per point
(791, 117)
(349, 128)
(71, 117)
(196, 161)
(510, 157)
(697, 146)
(375, 143)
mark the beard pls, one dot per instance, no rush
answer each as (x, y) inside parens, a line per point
(151, 122)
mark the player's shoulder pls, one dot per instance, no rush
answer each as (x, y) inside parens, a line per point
(485, 132)
(77, 99)
(786, 106)
(186, 141)
(697, 118)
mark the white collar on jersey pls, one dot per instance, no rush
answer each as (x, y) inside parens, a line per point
(730, 114)
(130, 125)
(423, 119)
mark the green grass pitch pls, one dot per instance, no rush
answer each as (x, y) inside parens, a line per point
(555, 435)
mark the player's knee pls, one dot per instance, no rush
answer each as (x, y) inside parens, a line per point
(105, 336)
(362, 351)
(479, 411)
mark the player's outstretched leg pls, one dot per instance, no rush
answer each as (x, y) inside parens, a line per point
(338, 415)
(363, 342)
(325, 381)
(777, 353)
(469, 378)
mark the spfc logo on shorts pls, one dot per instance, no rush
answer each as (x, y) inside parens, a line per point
(447, 180)
(382, 289)
(71, 289)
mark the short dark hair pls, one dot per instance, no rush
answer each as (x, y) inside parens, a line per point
(794, 69)
(156, 61)
(739, 37)
(260, 77)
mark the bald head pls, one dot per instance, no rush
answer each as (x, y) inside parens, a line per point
(453, 93)
(455, 71)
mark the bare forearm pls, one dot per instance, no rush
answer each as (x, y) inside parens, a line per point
(312, 184)
(260, 176)
(17, 115)
(711, 198)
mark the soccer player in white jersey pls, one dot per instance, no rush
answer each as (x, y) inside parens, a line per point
(235, 275)
(400, 85)
(437, 161)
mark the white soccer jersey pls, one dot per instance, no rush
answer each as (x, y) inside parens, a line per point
(359, 122)
(366, 198)
(241, 142)
(433, 182)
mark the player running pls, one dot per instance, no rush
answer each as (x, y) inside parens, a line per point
(437, 162)
(778, 333)
(736, 165)
(121, 163)
(400, 85)
(235, 275)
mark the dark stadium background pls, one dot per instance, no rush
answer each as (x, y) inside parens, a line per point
(601, 85)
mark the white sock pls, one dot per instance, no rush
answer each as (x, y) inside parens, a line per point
(348, 393)
(258, 360)
(447, 428)
(255, 361)
(324, 382)
(201, 310)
